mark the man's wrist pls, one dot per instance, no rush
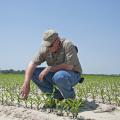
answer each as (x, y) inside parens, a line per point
(49, 68)
(27, 82)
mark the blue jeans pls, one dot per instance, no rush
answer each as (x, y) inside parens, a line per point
(63, 79)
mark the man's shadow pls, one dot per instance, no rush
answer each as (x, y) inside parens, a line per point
(88, 106)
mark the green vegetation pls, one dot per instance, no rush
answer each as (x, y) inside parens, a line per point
(101, 88)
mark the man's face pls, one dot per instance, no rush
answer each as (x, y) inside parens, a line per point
(55, 46)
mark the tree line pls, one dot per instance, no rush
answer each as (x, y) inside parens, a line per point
(13, 71)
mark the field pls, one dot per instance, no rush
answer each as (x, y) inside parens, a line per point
(103, 89)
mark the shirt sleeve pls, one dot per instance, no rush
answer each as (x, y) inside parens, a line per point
(70, 54)
(40, 56)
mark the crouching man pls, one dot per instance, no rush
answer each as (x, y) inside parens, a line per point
(64, 69)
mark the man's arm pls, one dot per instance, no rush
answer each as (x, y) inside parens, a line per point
(29, 71)
(62, 66)
(26, 85)
(54, 69)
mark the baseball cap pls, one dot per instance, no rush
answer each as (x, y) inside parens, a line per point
(48, 37)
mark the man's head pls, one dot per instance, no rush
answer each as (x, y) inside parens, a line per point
(51, 40)
(49, 37)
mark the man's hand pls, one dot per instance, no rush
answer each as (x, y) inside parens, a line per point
(25, 90)
(44, 73)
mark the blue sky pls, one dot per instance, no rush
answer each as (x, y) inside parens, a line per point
(93, 25)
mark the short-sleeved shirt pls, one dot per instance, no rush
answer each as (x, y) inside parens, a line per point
(67, 54)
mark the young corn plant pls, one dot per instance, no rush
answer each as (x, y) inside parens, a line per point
(18, 99)
(6, 97)
(49, 101)
(116, 98)
(31, 101)
(84, 93)
(26, 103)
(93, 93)
(2, 96)
(102, 93)
(108, 94)
(74, 106)
(61, 106)
(37, 101)
(11, 96)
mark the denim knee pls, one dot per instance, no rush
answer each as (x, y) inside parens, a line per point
(61, 78)
(35, 75)
(45, 85)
